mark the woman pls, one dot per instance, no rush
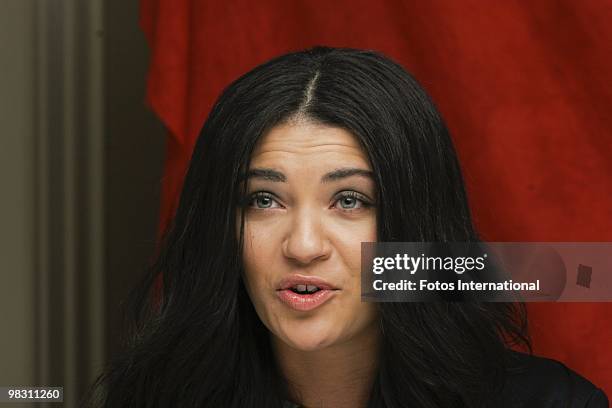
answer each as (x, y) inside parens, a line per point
(300, 160)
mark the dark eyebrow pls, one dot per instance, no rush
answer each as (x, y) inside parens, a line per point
(277, 176)
(346, 172)
(266, 174)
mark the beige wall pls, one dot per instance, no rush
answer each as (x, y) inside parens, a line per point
(17, 136)
(81, 161)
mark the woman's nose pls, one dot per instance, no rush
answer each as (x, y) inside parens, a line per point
(306, 240)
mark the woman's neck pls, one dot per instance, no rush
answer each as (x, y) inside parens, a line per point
(338, 376)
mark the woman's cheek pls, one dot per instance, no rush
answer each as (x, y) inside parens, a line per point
(258, 262)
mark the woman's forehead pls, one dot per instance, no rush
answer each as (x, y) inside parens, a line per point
(311, 141)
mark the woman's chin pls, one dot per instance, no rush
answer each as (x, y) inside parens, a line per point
(312, 343)
(305, 337)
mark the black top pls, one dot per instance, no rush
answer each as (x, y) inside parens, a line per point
(537, 382)
(545, 383)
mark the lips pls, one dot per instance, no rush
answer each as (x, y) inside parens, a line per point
(304, 293)
(295, 280)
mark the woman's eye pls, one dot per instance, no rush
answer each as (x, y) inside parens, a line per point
(351, 201)
(348, 201)
(262, 201)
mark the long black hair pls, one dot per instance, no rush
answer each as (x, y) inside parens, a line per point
(200, 343)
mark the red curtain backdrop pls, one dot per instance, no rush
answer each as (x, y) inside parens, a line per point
(525, 88)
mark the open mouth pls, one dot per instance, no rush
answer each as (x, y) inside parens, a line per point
(304, 293)
(303, 284)
(304, 289)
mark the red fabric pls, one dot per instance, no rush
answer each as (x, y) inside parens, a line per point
(525, 87)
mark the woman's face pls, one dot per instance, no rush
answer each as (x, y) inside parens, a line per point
(310, 204)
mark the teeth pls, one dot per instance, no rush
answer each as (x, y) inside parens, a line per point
(305, 288)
